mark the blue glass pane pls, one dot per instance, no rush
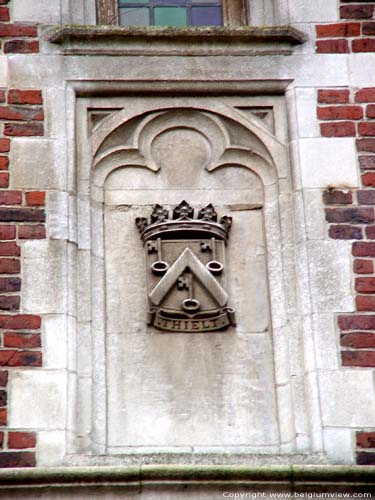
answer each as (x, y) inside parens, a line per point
(206, 16)
(124, 2)
(217, 2)
(135, 16)
(170, 16)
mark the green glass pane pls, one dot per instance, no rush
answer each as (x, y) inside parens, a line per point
(124, 2)
(170, 16)
(134, 16)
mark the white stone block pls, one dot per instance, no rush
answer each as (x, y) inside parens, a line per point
(338, 445)
(315, 223)
(3, 71)
(50, 448)
(361, 70)
(306, 100)
(37, 399)
(328, 162)
(38, 11)
(326, 340)
(330, 268)
(57, 215)
(347, 398)
(44, 272)
(35, 164)
(320, 11)
(54, 342)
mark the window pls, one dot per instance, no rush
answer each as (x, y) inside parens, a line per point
(171, 12)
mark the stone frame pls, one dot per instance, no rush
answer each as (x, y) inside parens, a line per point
(296, 381)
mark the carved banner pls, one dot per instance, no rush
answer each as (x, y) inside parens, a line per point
(186, 269)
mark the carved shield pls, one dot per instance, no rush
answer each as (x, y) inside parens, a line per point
(185, 265)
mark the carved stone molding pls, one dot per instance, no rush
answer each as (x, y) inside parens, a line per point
(187, 41)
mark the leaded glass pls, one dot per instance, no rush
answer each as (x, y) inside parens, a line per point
(170, 12)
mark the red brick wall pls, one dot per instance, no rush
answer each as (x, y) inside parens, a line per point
(350, 215)
(22, 217)
(354, 33)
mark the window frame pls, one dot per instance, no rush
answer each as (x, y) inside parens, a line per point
(234, 12)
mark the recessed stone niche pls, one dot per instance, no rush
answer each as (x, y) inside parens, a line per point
(183, 392)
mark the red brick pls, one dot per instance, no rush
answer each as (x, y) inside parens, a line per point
(338, 29)
(357, 215)
(21, 113)
(367, 162)
(24, 129)
(365, 458)
(337, 129)
(337, 197)
(365, 145)
(9, 266)
(358, 340)
(9, 248)
(9, 302)
(335, 46)
(363, 266)
(367, 128)
(1, 433)
(332, 96)
(16, 30)
(10, 197)
(365, 95)
(370, 232)
(366, 197)
(363, 45)
(368, 179)
(10, 459)
(22, 340)
(10, 285)
(3, 416)
(4, 163)
(21, 440)
(4, 14)
(368, 28)
(362, 11)
(340, 113)
(37, 232)
(370, 111)
(16, 96)
(3, 378)
(4, 179)
(20, 322)
(22, 215)
(358, 358)
(365, 285)
(357, 322)
(35, 198)
(365, 302)
(7, 232)
(365, 439)
(345, 232)
(10, 357)
(4, 2)
(4, 145)
(21, 47)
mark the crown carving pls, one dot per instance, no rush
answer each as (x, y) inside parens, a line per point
(182, 222)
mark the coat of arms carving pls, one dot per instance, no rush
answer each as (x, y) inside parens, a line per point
(185, 258)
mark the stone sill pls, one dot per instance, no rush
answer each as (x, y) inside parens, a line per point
(186, 41)
(295, 477)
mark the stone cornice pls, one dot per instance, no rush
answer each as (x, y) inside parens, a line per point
(293, 477)
(186, 41)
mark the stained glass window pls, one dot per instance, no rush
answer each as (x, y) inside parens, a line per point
(170, 12)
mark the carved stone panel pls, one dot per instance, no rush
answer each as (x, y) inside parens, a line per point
(201, 372)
